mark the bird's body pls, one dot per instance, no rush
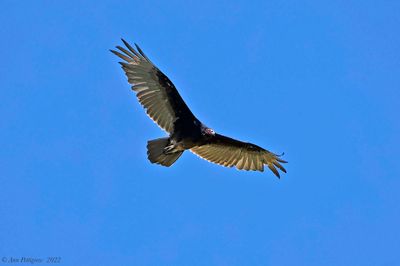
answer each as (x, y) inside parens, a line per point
(166, 108)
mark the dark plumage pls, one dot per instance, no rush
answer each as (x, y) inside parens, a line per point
(166, 108)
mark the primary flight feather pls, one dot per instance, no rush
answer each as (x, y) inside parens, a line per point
(162, 102)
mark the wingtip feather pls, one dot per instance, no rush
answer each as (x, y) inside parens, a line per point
(279, 166)
(130, 47)
(141, 52)
(273, 169)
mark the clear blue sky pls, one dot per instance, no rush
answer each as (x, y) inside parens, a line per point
(318, 80)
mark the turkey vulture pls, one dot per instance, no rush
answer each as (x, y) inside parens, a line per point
(167, 109)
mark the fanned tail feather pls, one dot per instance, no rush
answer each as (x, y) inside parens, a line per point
(155, 152)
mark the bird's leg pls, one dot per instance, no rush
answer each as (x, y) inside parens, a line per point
(170, 148)
(173, 146)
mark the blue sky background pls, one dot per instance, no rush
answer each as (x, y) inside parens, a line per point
(318, 80)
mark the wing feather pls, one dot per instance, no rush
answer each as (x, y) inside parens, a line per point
(252, 164)
(230, 157)
(245, 161)
(155, 92)
(234, 158)
(244, 156)
(240, 163)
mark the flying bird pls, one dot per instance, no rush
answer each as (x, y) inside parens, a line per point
(163, 104)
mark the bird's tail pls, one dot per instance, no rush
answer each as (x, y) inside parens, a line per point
(155, 152)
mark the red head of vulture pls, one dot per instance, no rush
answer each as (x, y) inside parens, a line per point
(162, 102)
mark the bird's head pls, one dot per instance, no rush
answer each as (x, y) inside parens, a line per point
(208, 131)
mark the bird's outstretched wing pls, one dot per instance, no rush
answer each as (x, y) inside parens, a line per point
(154, 90)
(229, 152)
